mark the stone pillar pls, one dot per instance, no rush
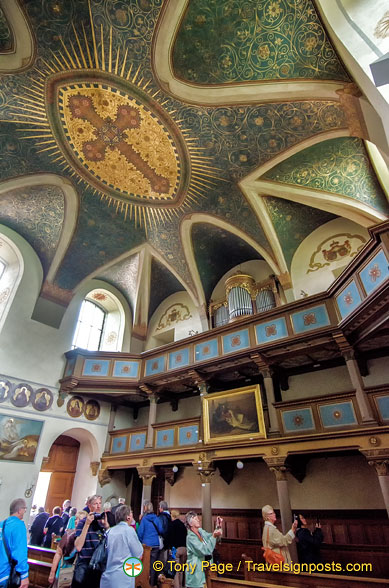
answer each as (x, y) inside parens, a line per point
(277, 466)
(205, 469)
(269, 391)
(152, 418)
(111, 424)
(203, 390)
(360, 394)
(379, 459)
(147, 474)
(356, 379)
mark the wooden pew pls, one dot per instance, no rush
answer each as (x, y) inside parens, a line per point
(40, 553)
(142, 581)
(39, 573)
(300, 581)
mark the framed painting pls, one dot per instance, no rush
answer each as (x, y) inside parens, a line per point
(235, 414)
(19, 438)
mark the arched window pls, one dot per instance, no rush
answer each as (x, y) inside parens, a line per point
(90, 326)
(11, 272)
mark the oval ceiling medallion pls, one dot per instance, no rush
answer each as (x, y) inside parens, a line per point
(118, 139)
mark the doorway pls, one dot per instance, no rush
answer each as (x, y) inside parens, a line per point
(62, 464)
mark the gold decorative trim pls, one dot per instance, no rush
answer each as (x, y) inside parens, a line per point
(174, 314)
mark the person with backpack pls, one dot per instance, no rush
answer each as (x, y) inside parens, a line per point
(90, 532)
(166, 521)
(53, 527)
(13, 545)
(150, 533)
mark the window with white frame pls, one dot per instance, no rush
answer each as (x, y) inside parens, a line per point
(90, 326)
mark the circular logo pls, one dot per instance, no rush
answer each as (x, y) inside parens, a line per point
(132, 567)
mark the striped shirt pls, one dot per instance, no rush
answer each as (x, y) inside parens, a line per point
(93, 537)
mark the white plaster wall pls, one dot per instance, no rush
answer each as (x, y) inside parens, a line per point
(330, 483)
(181, 328)
(124, 418)
(30, 350)
(259, 270)
(319, 383)
(319, 280)
(187, 408)
(379, 372)
(18, 476)
(337, 483)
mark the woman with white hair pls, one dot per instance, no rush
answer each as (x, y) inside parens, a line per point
(273, 538)
(122, 543)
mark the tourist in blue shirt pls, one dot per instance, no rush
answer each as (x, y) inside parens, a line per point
(13, 530)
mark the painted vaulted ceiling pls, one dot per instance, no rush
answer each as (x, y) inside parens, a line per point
(141, 117)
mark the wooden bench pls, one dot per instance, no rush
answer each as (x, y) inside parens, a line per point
(39, 573)
(40, 553)
(283, 580)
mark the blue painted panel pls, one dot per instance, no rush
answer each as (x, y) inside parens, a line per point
(310, 319)
(206, 350)
(138, 441)
(298, 420)
(375, 272)
(119, 444)
(383, 407)
(179, 358)
(165, 438)
(126, 369)
(338, 414)
(155, 365)
(236, 341)
(188, 435)
(271, 331)
(96, 367)
(348, 299)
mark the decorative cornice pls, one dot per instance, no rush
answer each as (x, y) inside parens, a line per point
(147, 474)
(104, 477)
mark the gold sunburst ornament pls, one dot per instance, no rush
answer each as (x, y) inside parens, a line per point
(95, 117)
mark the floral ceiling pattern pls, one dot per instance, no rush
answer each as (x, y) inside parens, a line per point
(249, 40)
(91, 110)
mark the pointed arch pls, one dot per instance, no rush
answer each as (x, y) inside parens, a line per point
(22, 54)
(71, 201)
(186, 239)
(254, 188)
(270, 91)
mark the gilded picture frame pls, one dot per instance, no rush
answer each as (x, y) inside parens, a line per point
(233, 415)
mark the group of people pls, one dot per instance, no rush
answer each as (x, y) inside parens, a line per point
(115, 528)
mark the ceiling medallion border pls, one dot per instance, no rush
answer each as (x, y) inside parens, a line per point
(83, 62)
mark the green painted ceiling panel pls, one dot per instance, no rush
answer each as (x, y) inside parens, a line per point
(230, 41)
(338, 165)
(293, 222)
(216, 251)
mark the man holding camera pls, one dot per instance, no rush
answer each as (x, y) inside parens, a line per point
(89, 533)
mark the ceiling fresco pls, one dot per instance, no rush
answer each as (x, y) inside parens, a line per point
(91, 110)
(123, 275)
(293, 222)
(167, 285)
(216, 251)
(37, 214)
(251, 40)
(339, 165)
(6, 36)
